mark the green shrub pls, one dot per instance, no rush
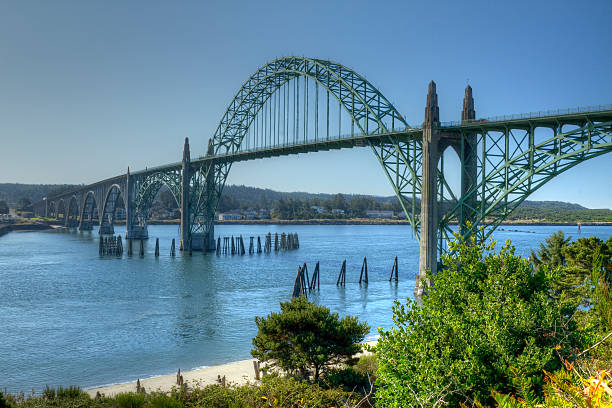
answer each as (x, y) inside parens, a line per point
(347, 379)
(71, 392)
(161, 400)
(367, 364)
(3, 402)
(488, 323)
(130, 400)
(305, 336)
(48, 393)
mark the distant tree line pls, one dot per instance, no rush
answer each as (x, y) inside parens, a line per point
(299, 205)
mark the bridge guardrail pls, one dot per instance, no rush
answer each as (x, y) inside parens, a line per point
(532, 115)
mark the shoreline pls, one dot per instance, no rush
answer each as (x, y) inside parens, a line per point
(236, 373)
(364, 221)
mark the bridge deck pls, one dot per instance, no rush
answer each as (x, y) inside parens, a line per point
(546, 119)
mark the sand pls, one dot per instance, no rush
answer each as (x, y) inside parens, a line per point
(238, 372)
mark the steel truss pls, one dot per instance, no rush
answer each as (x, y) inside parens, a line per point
(368, 109)
(514, 161)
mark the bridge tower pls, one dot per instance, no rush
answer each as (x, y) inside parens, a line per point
(435, 141)
(428, 259)
(185, 241)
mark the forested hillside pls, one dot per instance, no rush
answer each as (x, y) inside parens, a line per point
(299, 205)
(11, 193)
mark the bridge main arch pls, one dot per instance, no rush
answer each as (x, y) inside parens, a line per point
(369, 113)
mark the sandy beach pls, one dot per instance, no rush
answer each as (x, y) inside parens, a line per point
(237, 372)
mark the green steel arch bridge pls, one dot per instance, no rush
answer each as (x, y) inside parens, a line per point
(298, 105)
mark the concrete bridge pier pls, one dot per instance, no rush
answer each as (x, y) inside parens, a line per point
(133, 230)
(186, 238)
(434, 144)
(428, 258)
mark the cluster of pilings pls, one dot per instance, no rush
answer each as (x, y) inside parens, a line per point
(111, 246)
(141, 250)
(235, 245)
(303, 284)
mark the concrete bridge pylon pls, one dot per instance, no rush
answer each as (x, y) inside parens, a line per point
(435, 141)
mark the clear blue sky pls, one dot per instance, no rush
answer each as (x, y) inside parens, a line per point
(90, 87)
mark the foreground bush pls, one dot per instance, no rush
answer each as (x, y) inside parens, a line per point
(274, 391)
(488, 323)
(306, 337)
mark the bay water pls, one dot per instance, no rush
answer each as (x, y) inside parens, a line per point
(71, 317)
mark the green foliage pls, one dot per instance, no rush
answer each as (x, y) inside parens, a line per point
(551, 251)
(3, 402)
(161, 400)
(130, 400)
(305, 336)
(367, 364)
(347, 379)
(565, 388)
(487, 322)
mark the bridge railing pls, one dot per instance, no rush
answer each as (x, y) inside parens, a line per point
(532, 115)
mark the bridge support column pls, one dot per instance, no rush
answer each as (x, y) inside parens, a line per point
(185, 242)
(428, 259)
(469, 163)
(209, 240)
(133, 230)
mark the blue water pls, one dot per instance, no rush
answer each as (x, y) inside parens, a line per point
(68, 316)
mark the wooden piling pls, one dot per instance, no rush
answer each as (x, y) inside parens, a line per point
(342, 277)
(218, 250)
(130, 252)
(251, 245)
(258, 244)
(305, 273)
(276, 246)
(256, 368)
(173, 248)
(297, 285)
(190, 246)
(156, 247)
(241, 246)
(141, 247)
(315, 278)
(364, 268)
(119, 245)
(394, 268)
(101, 246)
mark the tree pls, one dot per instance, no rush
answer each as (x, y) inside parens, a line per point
(488, 323)
(306, 337)
(551, 251)
(4, 208)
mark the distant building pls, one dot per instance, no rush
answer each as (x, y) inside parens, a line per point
(337, 211)
(318, 209)
(250, 215)
(229, 217)
(379, 214)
